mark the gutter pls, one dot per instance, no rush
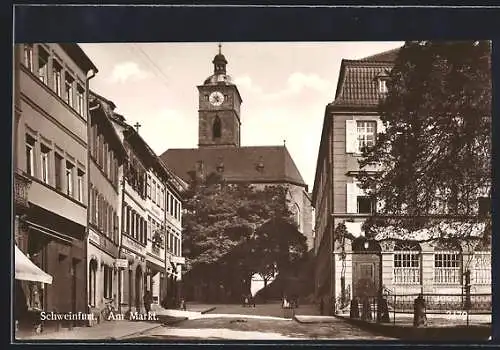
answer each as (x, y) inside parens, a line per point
(90, 74)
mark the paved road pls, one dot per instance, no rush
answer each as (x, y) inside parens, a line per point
(255, 328)
(270, 309)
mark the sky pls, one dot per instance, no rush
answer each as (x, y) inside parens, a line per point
(285, 88)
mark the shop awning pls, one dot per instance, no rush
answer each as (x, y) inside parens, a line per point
(26, 270)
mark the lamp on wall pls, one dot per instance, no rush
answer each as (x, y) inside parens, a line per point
(366, 244)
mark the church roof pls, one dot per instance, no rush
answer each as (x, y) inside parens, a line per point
(253, 164)
(357, 85)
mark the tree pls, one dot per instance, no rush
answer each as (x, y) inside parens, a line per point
(235, 230)
(435, 154)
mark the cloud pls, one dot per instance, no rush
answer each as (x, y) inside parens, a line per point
(128, 71)
(169, 128)
(298, 82)
(244, 82)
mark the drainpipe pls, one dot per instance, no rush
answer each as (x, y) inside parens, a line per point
(90, 74)
(122, 221)
(165, 242)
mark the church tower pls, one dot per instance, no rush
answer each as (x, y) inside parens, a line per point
(219, 108)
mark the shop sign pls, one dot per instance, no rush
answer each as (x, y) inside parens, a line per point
(94, 237)
(121, 263)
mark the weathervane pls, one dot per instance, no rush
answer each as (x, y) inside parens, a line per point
(220, 47)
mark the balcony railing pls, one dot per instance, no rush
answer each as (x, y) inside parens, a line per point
(21, 186)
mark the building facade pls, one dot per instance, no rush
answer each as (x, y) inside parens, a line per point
(50, 141)
(173, 227)
(348, 264)
(107, 156)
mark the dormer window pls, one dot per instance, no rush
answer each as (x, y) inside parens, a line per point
(382, 86)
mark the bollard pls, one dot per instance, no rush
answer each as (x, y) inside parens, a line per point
(366, 314)
(354, 312)
(383, 310)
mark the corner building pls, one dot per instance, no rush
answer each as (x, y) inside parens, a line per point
(51, 159)
(396, 263)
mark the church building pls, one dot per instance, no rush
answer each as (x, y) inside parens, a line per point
(219, 148)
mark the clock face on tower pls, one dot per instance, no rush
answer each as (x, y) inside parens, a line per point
(216, 98)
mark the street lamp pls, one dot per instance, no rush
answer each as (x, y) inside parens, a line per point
(366, 244)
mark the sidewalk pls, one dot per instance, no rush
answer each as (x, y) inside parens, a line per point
(117, 329)
(109, 330)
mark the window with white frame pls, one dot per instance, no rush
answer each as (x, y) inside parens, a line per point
(69, 179)
(447, 267)
(68, 85)
(481, 268)
(30, 155)
(158, 194)
(366, 132)
(79, 184)
(361, 133)
(58, 171)
(28, 56)
(43, 65)
(44, 163)
(57, 76)
(407, 263)
(148, 186)
(80, 99)
(153, 194)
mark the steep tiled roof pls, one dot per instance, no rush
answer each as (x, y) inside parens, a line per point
(240, 164)
(386, 56)
(357, 85)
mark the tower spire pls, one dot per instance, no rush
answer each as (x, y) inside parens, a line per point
(219, 62)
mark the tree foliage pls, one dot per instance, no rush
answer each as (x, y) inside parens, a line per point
(435, 153)
(235, 230)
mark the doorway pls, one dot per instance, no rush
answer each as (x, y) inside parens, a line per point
(138, 287)
(366, 268)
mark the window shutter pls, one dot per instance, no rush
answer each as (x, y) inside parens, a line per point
(351, 139)
(351, 196)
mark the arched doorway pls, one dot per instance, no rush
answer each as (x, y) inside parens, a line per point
(138, 287)
(366, 267)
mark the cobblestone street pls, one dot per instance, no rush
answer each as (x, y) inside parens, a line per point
(264, 322)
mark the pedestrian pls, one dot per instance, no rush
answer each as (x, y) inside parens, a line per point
(183, 304)
(321, 306)
(147, 301)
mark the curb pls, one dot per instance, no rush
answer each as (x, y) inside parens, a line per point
(425, 333)
(310, 322)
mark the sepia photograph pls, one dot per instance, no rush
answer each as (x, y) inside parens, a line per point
(291, 191)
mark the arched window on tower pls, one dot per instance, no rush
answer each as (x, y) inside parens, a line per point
(216, 128)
